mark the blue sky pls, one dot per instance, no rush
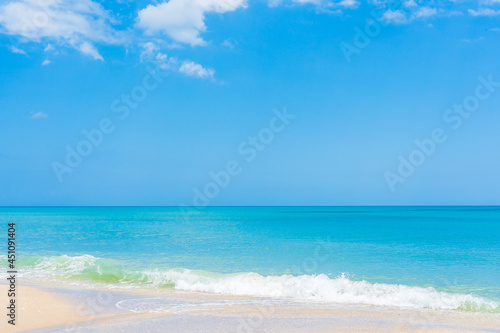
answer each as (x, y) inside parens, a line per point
(359, 81)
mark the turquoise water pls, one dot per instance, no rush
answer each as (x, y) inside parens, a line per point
(422, 257)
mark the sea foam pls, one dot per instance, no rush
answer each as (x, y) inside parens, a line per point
(319, 288)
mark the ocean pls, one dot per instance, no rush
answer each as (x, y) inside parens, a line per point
(412, 257)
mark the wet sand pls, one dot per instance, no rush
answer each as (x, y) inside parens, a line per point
(54, 308)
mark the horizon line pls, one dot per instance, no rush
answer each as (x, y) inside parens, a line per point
(234, 206)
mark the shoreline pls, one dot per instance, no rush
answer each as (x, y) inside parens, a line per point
(54, 307)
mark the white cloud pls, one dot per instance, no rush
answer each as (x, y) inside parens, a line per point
(411, 12)
(38, 115)
(151, 53)
(183, 20)
(45, 62)
(302, 2)
(490, 2)
(379, 3)
(423, 12)
(73, 23)
(484, 12)
(90, 50)
(323, 6)
(410, 4)
(348, 3)
(14, 49)
(230, 43)
(49, 48)
(396, 16)
(274, 3)
(193, 69)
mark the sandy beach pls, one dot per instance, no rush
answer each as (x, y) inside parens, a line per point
(54, 308)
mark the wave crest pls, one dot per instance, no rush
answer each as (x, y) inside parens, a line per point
(320, 288)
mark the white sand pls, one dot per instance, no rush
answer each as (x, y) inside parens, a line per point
(55, 308)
